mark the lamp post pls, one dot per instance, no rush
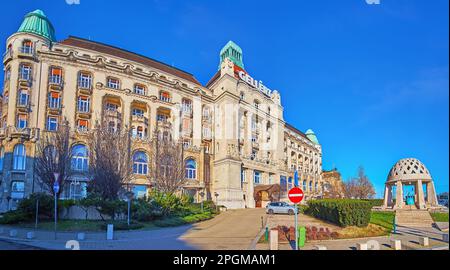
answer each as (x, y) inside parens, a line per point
(129, 195)
(216, 195)
(55, 195)
(202, 194)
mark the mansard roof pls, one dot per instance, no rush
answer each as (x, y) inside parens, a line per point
(121, 53)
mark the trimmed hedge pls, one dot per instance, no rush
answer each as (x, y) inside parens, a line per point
(375, 202)
(342, 212)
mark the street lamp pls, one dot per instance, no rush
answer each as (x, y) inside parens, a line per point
(55, 193)
(216, 195)
(202, 194)
(129, 195)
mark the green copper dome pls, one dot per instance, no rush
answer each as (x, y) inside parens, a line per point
(232, 51)
(37, 23)
(311, 136)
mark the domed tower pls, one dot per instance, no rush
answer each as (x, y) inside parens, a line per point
(24, 77)
(410, 172)
(312, 136)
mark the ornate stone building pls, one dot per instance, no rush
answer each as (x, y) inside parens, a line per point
(233, 131)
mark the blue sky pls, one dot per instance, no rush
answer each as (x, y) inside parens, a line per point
(371, 80)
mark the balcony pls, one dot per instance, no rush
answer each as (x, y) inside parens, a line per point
(139, 119)
(164, 124)
(55, 82)
(22, 133)
(7, 56)
(112, 114)
(27, 52)
(25, 80)
(85, 87)
(186, 133)
(193, 183)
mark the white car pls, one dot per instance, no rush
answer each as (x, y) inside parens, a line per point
(280, 208)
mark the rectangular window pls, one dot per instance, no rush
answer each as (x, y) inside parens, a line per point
(162, 117)
(83, 104)
(23, 97)
(111, 107)
(22, 121)
(54, 100)
(113, 83)
(85, 81)
(138, 112)
(83, 125)
(139, 89)
(256, 177)
(187, 107)
(17, 189)
(52, 123)
(27, 47)
(56, 76)
(25, 72)
(164, 96)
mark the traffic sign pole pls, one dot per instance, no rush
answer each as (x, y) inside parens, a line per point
(296, 195)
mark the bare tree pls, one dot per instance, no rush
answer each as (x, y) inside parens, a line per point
(53, 155)
(167, 163)
(110, 160)
(359, 187)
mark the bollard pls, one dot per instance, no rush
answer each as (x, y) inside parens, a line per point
(396, 244)
(81, 236)
(110, 232)
(424, 241)
(266, 234)
(361, 246)
(319, 247)
(13, 233)
(273, 240)
(445, 237)
(30, 235)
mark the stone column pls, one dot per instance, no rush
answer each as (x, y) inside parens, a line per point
(431, 194)
(387, 195)
(420, 195)
(399, 195)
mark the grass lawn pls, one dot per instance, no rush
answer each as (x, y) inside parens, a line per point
(383, 219)
(99, 225)
(439, 217)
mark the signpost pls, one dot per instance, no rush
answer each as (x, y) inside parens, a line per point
(296, 195)
(55, 193)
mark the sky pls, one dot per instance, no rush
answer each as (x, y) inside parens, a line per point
(372, 81)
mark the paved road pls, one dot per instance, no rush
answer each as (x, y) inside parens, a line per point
(13, 246)
(231, 230)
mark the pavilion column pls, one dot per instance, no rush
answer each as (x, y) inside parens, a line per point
(431, 194)
(399, 195)
(387, 195)
(420, 195)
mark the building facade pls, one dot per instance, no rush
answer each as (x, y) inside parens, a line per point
(232, 129)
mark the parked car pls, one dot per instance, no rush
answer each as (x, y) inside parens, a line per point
(280, 208)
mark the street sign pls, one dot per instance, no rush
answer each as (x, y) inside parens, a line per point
(295, 195)
(56, 183)
(296, 178)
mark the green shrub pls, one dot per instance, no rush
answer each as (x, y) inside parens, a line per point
(143, 210)
(342, 212)
(169, 222)
(14, 217)
(46, 206)
(123, 225)
(168, 202)
(375, 202)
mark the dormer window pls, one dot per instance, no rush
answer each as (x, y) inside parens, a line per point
(113, 83)
(139, 89)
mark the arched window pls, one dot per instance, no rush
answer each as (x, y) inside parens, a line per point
(191, 169)
(310, 186)
(140, 163)
(19, 157)
(304, 184)
(80, 158)
(2, 156)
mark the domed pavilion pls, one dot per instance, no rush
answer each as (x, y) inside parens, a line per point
(409, 174)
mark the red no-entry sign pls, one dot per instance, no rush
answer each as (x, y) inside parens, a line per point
(295, 195)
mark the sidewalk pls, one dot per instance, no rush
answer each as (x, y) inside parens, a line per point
(164, 238)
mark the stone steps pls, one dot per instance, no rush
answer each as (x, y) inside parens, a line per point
(414, 218)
